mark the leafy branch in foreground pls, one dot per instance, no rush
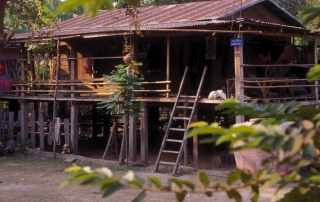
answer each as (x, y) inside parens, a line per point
(284, 132)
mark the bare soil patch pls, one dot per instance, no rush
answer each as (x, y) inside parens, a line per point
(37, 176)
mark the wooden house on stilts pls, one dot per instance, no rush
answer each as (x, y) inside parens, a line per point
(246, 48)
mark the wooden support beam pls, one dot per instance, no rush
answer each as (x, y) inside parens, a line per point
(132, 139)
(238, 70)
(24, 120)
(74, 128)
(10, 128)
(144, 134)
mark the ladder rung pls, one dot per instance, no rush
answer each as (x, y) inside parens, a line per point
(170, 151)
(181, 118)
(184, 107)
(167, 163)
(174, 140)
(178, 129)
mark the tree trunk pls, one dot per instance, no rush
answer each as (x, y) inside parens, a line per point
(3, 4)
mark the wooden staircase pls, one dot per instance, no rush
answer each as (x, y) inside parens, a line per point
(187, 104)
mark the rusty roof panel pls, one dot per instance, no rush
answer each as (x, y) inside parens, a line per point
(161, 17)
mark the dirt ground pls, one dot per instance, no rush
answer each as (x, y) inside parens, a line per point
(36, 177)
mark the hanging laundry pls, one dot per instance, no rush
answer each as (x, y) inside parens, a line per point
(87, 69)
(2, 67)
(10, 67)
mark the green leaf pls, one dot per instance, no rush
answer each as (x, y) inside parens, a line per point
(277, 143)
(86, 177)
(198, 124)
(112, 190)
(156, 181)
(234, 194)
(181, 195)
(307, 125)
(255, 197)
(72, 169)
(228, 103)
(205, 131)
(189, 184)
(137, 183)
(203, 179)
(298, 141)
(140, 197)
(69, 5)
(246, 178)
(314, 178)
(233, 177)
(177, 182)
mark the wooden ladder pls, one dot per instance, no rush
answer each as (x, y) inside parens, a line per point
(185, 100)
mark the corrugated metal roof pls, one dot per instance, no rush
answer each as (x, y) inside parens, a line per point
(161, 17)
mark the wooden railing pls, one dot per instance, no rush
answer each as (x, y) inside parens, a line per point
(97, 87)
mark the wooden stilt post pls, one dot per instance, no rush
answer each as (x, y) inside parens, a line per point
(238, 70)
(24, 120)
(144, 134)
(10, 129)
(74, 128)
(33, 128)
(168, 65)
(132, 139)
(41, 128)
(74, 107)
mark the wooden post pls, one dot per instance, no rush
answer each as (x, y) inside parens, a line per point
(185, 125)
(41, 128)
(74, 128)
(66, 131)
(33, 128)
(24, 120)
(132, 139)
(238, 70)
(3, 121)
(10, 128)
(168, 65)
(144, 134)
(316, 88)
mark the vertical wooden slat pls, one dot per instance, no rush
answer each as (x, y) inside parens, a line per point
(144, 134)
(33, 128)
(238, 70)
(10, 128)
(41, 128)
(132, 139)
(168, 65)
(66, 131)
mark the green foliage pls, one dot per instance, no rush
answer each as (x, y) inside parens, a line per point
(92, 7)
(122, 82)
